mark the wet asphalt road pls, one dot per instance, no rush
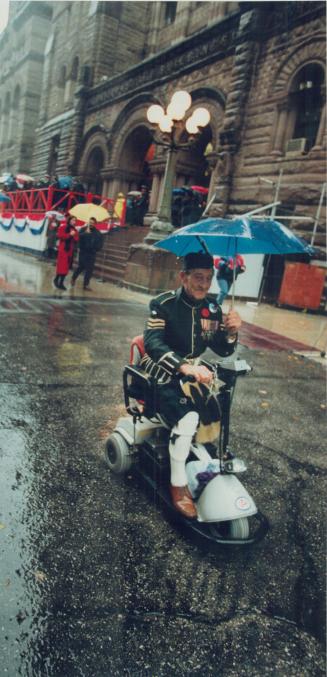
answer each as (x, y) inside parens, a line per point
(95, 581)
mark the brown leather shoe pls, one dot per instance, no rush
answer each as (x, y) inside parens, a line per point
(183, 502)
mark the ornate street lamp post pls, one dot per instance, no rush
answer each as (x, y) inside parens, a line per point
(168, 130)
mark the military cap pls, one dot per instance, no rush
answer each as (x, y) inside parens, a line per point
(197, 260)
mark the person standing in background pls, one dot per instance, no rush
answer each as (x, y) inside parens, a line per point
(67, 236)
(90, 242)
(225, 268)
(52, 229)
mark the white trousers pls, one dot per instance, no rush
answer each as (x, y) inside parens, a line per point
(179, 447)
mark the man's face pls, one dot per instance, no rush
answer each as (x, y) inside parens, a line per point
(92, 223)
(197, 282)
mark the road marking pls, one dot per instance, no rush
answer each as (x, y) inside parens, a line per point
(42, 306)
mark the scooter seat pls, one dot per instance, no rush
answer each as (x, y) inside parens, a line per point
(139, 386)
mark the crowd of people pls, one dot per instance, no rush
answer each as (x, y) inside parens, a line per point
(187, 206)
(23, 182)
(137, 203)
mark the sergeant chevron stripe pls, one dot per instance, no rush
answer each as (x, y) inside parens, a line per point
(156, 323)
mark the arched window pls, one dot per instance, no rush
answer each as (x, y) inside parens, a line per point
(75, 67)
(6, 119)
(301, 114)
(86, 75)
(307, 100)
(14, 116)
(62, 76)
(170, 12)
(53, 155)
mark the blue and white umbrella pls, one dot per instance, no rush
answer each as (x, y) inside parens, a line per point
(4, 197)
(65, 182)
(229, 237)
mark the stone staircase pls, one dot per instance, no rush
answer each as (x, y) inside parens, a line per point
(112, 259)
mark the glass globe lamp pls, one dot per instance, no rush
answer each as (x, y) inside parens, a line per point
(155, 113)
(201, 117)
(165, 124)
(191, 126)
(175, 111)
(182, 99)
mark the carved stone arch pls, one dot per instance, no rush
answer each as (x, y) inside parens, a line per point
(96, 137)
(216, 111)
(137, 103)
(209, 94)
(130, 122)
(307, 52)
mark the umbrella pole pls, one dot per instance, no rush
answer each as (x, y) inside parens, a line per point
(233, 287)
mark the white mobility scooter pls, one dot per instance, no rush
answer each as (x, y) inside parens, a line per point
(227, 514)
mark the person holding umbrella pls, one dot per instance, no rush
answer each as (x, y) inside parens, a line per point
(182, 324)
(67, 235)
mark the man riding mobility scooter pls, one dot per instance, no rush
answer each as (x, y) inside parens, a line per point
(177, 434)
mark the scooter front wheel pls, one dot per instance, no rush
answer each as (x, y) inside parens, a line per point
(239, 528)
(117, 454)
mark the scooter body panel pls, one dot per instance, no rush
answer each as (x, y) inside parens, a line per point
(138, 432)
(224, 498)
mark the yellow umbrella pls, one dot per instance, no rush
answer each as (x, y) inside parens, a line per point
(88, 210)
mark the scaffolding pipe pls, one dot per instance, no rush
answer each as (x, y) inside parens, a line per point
(272, 215)
(322, 195)
(209, 205)
(296, 218)
(261, 209)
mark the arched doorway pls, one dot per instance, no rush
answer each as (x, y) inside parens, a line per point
(135, 156)
(94, 164)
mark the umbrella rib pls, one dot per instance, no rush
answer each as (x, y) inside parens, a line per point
(203, 244)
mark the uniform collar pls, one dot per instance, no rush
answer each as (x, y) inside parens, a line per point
(181, 294)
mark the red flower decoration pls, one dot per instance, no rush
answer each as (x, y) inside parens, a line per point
(205, 312)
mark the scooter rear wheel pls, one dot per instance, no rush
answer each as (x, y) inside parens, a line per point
(117, 454)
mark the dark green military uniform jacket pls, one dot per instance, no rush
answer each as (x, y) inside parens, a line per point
(179, 329)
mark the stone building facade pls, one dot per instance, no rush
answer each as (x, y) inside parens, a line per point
(95, 67)
(22, 47)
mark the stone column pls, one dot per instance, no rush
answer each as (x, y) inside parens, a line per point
(115, 188)
(244, 62)
(105, 187)
(77, 131)
(154, 193)
(161, 226)
(212, 162)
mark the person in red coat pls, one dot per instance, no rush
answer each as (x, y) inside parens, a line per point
(67, 235)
